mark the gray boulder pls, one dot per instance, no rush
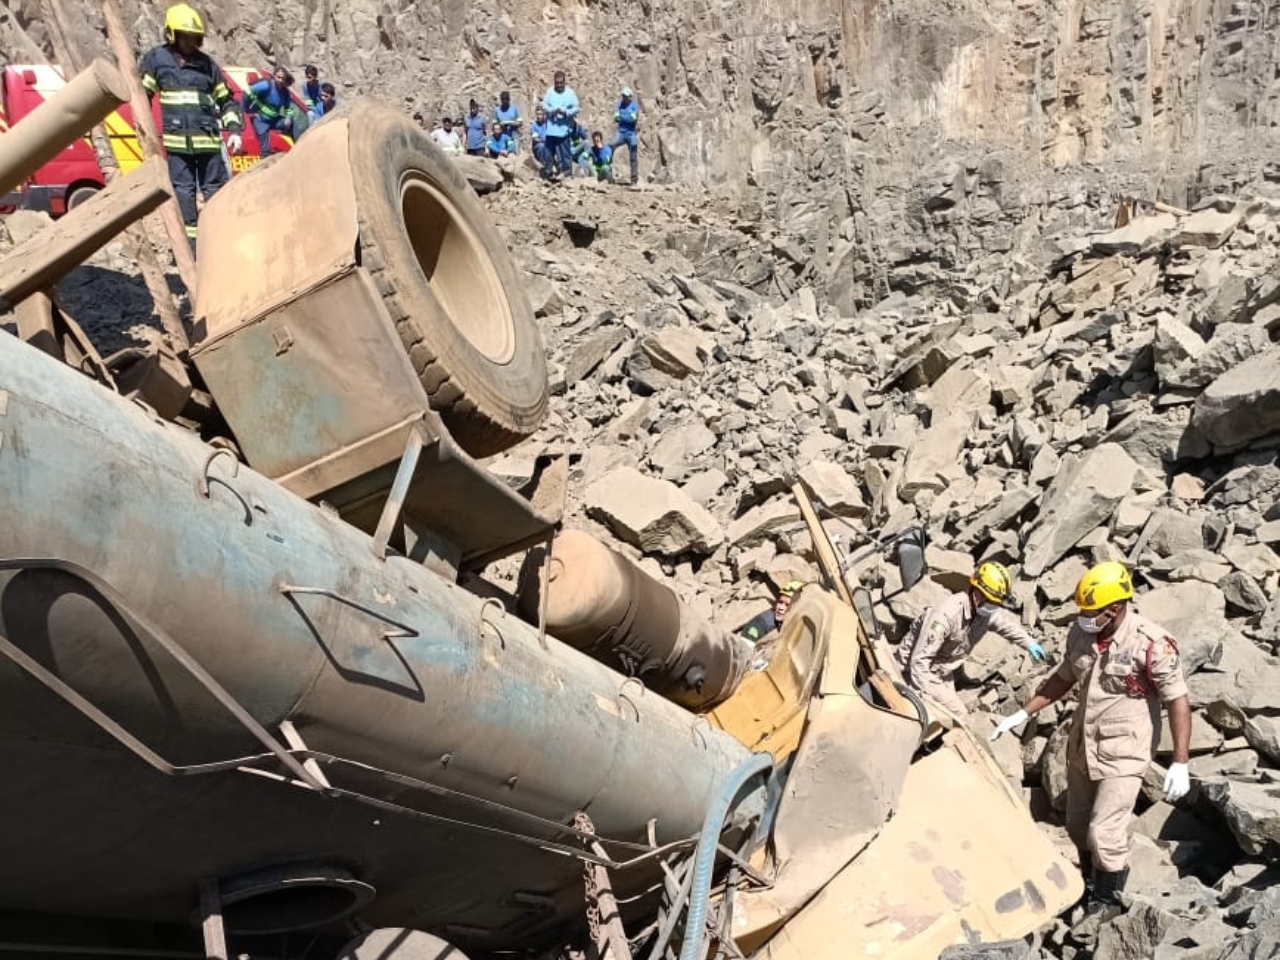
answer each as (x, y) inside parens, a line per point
(1241, 405)
(1079, 500)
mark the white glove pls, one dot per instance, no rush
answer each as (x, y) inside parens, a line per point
(234, 144)
(1177, 782)
(1008, 723)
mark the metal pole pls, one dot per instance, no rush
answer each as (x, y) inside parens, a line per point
(63, 118)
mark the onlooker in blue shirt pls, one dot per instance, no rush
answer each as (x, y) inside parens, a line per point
(270, 108)
(627, 117)
(499, 144)
(508, 114)
(477, 129)
(311, 91)
(600, 158)
(538, 134)
(561, 104)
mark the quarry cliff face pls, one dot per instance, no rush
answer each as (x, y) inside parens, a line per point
(893, 138)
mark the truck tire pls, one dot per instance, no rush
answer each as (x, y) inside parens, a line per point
(81, 194)
(448, 283)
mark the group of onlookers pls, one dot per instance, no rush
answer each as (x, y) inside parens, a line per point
(559, 141)
(270, 105)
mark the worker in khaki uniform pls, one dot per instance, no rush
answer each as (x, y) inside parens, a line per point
(1126, 666)
(941, 638)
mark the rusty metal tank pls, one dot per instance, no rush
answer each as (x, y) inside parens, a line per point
(431, 699)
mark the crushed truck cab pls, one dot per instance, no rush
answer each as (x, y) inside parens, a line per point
(254, 685)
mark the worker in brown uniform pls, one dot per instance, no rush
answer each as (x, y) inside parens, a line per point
(941, 638)
(1126, 666)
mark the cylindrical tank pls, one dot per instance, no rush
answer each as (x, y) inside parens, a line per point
(388, 665)
(603, 604)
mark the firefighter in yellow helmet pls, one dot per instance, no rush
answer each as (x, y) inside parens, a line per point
(770, 621)
(1126, 667)
(940, 638)
(196, 105)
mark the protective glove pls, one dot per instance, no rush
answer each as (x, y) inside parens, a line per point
(234, 144)
(1037, 652)
(1177, 782)
(1008, 723)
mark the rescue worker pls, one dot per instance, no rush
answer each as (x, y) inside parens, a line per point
(1126, 666)
(538, 134)
(941, 638)
(627, 117)
(195, 106)
(561, 105)
(475, 130)
(600, 158)
(271, 108)
(508, 114)
(770, 621)
(498, 144)
(446, 138)
(579, 141)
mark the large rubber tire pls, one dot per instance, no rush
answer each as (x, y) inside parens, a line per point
(448, 282)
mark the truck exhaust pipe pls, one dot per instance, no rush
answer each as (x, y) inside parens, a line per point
(604, 605)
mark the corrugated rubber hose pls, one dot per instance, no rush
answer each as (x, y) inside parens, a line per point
(704, 858)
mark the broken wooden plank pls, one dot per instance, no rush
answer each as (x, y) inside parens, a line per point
(59, 247)
(63, 118)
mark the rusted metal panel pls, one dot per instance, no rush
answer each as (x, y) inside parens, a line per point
(267, 238)
(311, 380)
(959, 862)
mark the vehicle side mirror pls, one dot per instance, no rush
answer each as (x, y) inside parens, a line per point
(911, 565)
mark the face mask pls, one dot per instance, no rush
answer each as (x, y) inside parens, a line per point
(1093, 625)
(987, 609)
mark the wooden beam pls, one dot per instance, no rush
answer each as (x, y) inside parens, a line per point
(65, 244)
(149, 140)
(829, 562)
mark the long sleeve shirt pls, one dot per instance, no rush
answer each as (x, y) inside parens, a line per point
(562, 111)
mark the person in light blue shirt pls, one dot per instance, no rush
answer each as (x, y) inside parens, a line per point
(627, 117)
(508, 114)
(476, 130)
(561, 105)
(499, 143)
(538, 134)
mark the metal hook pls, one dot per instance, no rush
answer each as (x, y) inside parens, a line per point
(485, 621)
(622, 694)
(202, 485)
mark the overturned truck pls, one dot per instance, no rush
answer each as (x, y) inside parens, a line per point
(255, 699)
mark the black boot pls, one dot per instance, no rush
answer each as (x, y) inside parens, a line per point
(1107, 885)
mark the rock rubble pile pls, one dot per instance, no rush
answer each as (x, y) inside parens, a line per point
(1120, 402)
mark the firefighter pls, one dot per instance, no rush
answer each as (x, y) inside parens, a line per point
(940, 638)
(1126, 666)
(195, 106)
(770, 621)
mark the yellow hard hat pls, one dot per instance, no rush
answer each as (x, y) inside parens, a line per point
(791, 588)
(1104, 584)
(992, 580)
(182, 18)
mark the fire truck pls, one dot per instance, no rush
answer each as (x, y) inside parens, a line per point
(75, 175)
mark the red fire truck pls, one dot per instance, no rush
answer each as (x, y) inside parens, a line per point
(75, 174)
